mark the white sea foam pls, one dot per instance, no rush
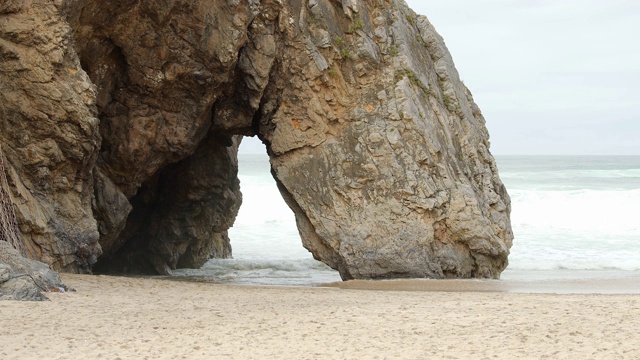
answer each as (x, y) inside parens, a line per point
(573, 174)
(262, 272)
(576, 219)
(577, 212)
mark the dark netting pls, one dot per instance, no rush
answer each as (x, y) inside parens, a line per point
(8, 225)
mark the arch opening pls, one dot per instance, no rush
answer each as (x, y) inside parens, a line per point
(266, 245)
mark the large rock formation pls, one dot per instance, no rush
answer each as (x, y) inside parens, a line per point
(121, 120)
(49, 133)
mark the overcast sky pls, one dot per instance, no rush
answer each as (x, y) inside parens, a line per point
(551, 76)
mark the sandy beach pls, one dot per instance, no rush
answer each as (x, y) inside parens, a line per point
(133, 318)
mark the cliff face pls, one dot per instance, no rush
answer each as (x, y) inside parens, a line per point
(49, 134)
(121, 120)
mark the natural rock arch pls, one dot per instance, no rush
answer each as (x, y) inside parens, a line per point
(375, 143)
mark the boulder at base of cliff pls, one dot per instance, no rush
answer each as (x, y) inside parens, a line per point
(24, 279)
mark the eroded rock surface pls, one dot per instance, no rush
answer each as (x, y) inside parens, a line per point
(391, 149)
(49, 134)
(121, 122)
(25, 279)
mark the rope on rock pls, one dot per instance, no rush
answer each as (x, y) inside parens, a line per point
(8, 225)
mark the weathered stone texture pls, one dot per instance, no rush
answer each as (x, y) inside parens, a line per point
(375, 142)
(380, 149)
(159, 66)
(25, 279)
(49, 134)
(181, 216)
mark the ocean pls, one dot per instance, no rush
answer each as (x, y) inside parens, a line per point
(573, 217)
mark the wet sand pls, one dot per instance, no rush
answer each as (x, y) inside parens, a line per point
(570, 282)
(133, 318)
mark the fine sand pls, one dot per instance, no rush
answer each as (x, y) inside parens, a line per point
(133, 318)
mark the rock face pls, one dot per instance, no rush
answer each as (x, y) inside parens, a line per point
(25, 279)
(49, 134)
(121, 121)
(391, 148)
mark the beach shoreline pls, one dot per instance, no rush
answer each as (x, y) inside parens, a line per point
(512, 281)
(523, 282)
(125, 317)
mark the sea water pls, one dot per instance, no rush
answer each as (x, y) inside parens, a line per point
(572, 217)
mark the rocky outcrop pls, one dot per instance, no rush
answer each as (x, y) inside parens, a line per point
(25, 279)
(121, 122)
(49, 134)
(391, 149)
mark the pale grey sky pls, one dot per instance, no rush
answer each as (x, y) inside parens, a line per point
(551, 76)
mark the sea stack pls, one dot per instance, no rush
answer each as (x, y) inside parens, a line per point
(120, 123)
